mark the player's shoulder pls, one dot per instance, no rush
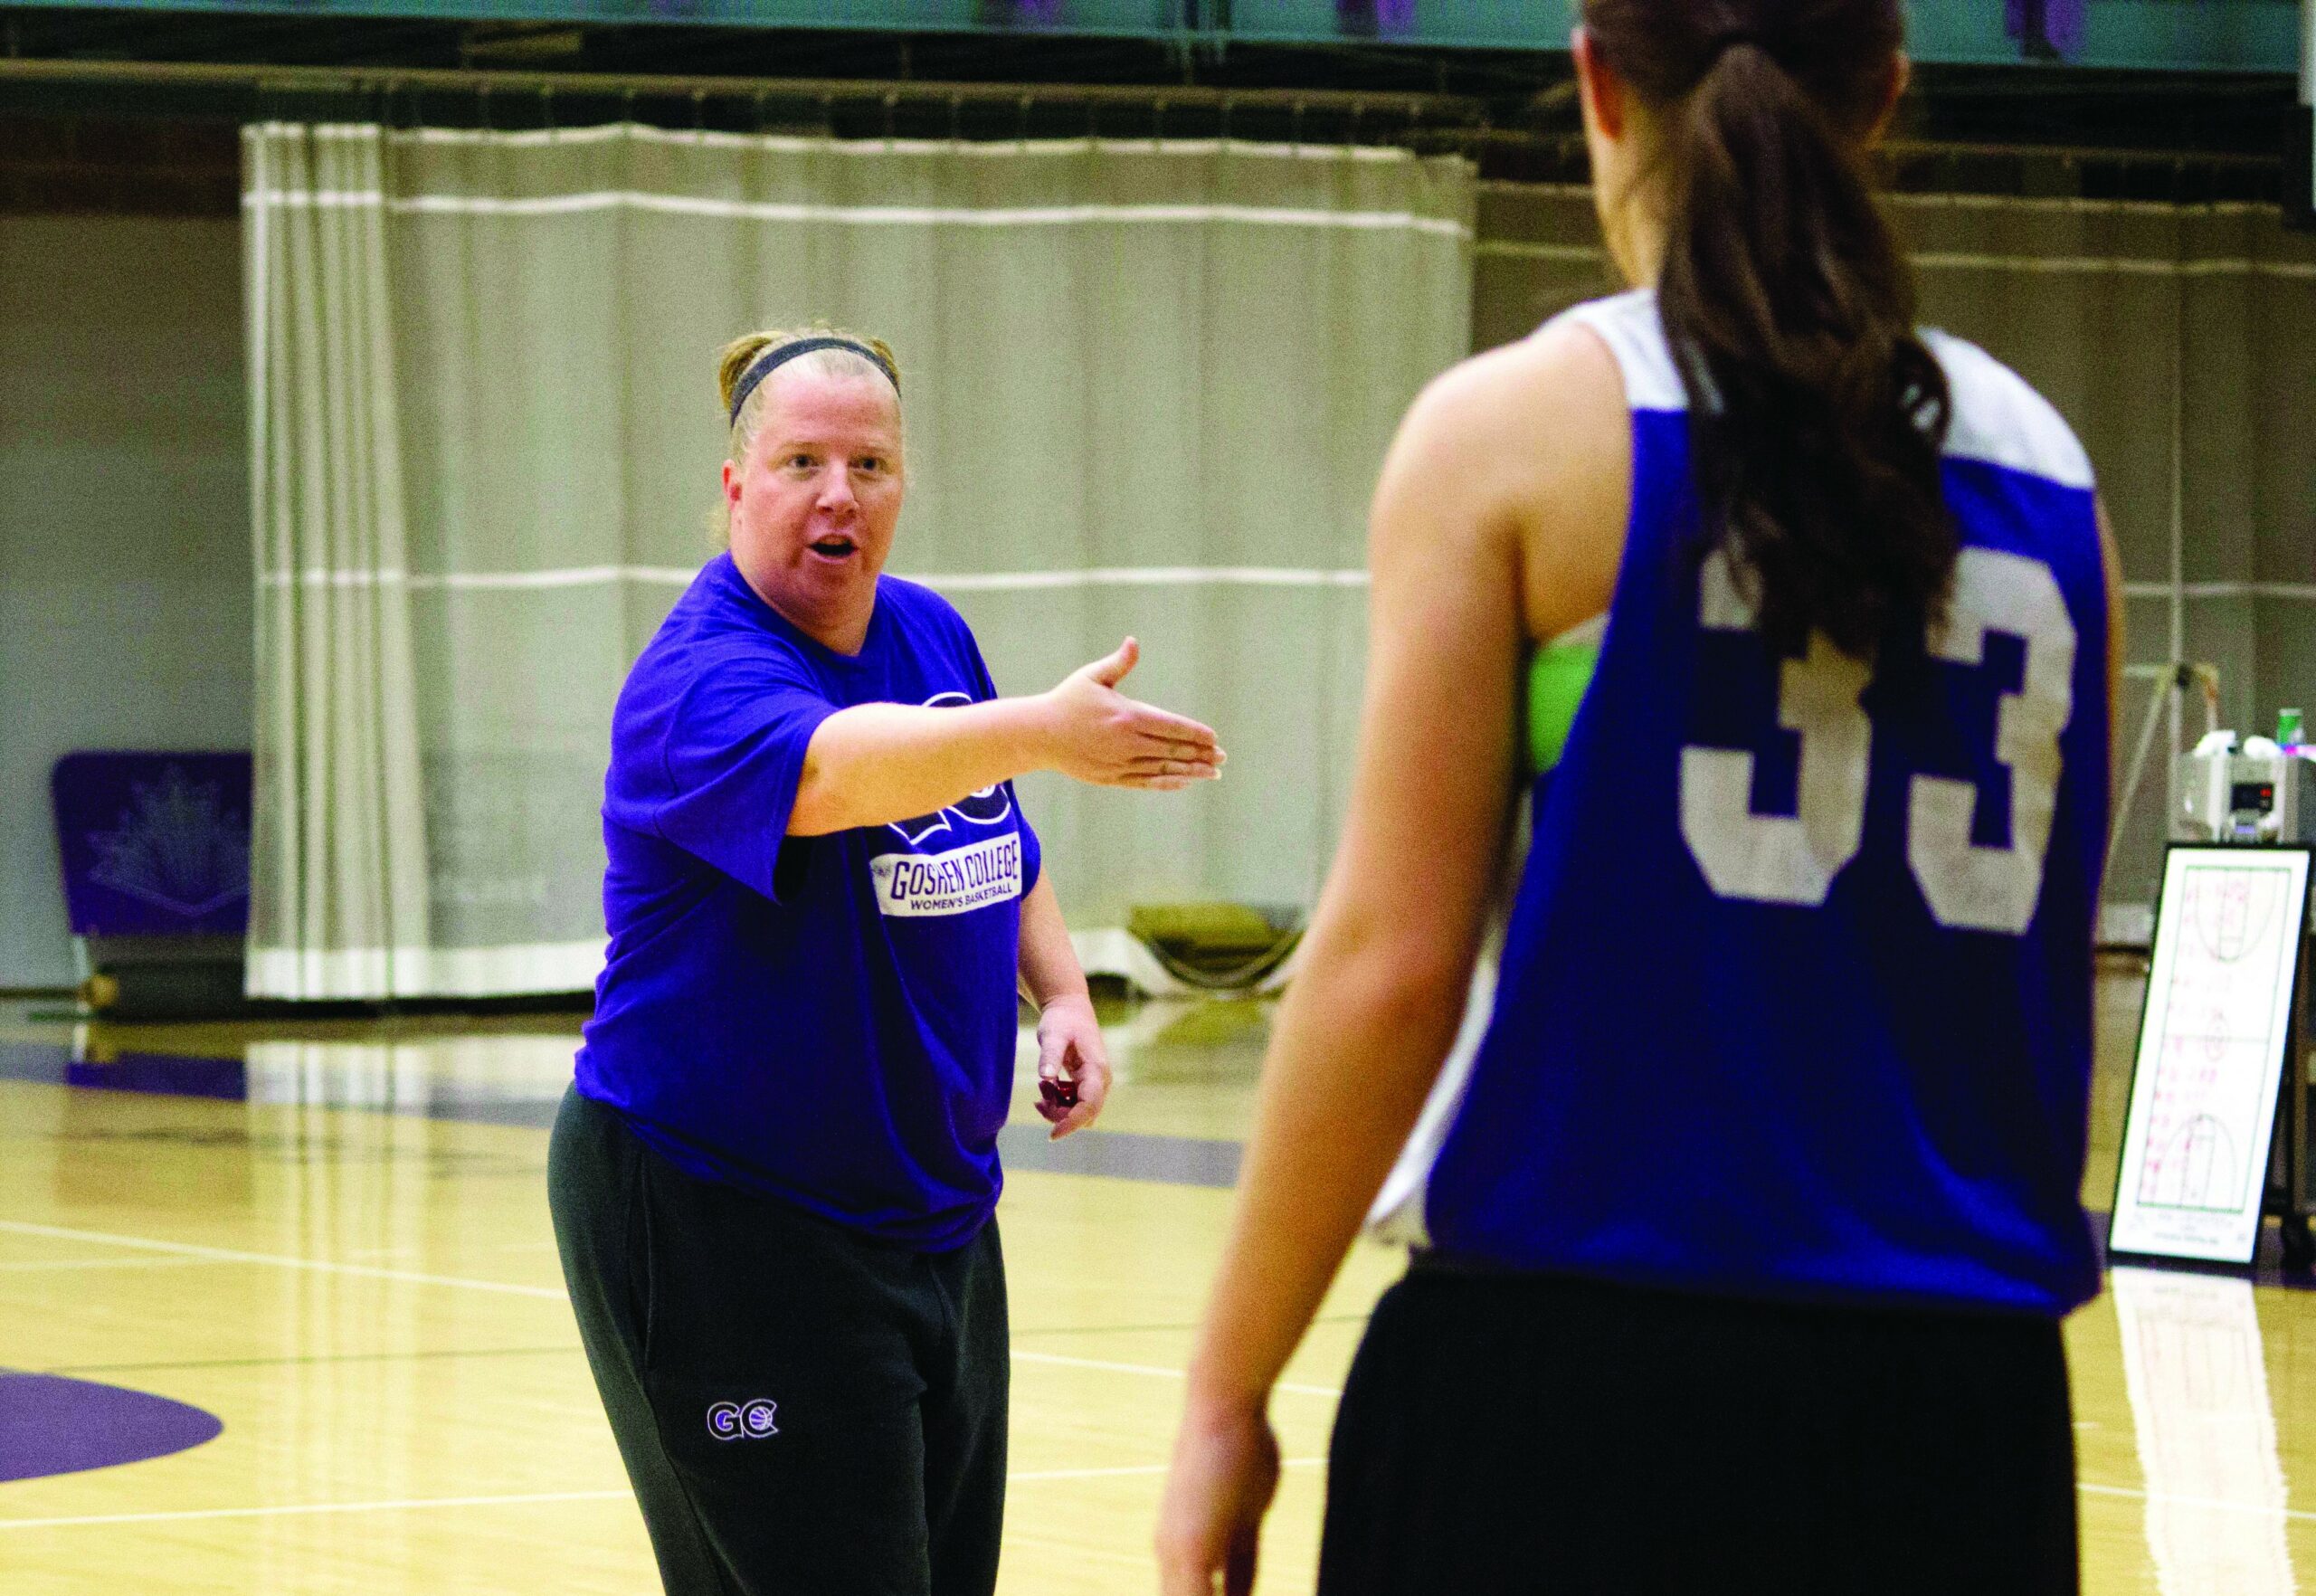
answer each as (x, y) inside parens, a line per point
(1522, 450)
(720, 615)
(698, 613)
(1520, 400)
(2000, 418)
(1628, 332)
(918, 606)
(1603, 355)
(926, 620)
(721, 632)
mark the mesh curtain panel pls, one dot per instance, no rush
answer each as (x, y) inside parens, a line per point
(2180, 343)
(1148, 388)
(339, 851)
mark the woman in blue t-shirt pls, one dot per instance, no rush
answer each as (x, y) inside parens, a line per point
(774, 1180)
(1749, 1239)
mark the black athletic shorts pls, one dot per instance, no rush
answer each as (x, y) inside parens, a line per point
(801, 1409)
(1519, 1433)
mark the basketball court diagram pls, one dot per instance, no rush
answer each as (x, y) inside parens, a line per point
(2208, 1099)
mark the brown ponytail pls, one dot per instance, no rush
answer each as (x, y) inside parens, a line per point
(1816, 414)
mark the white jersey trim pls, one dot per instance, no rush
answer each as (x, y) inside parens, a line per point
(1628, 323)
(1998, 417)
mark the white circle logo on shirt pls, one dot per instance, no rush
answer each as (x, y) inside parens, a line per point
(988, 807)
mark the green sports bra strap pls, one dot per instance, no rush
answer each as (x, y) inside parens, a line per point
(1558, 672)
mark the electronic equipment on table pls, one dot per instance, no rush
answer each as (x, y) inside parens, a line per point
(2245, 798)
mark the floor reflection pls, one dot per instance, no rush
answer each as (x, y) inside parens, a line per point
(2199, 1389)
(495, 1079)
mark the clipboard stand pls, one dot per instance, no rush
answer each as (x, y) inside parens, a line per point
(2229, 992)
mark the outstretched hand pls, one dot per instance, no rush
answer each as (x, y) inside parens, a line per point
(1102, 736)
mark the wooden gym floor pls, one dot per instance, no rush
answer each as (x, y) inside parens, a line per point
(336, 1243)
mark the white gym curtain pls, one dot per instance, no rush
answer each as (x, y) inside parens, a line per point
(1148, 387)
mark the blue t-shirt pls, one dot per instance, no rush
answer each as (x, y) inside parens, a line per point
(1795, 1000)
(828, 1021)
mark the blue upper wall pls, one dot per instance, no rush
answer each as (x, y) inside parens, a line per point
(2179, 36)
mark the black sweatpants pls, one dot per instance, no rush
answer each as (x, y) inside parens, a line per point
(1504, 1434)
(801, 1409)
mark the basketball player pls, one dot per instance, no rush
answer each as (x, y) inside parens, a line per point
(773, 1183)
(1750, 1237)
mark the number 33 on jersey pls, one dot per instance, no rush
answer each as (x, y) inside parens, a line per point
(1794, 859)
(1795, 999)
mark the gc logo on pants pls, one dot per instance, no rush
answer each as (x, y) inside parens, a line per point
(743, 1420)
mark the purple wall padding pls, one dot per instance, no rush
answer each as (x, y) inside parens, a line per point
(153, 844)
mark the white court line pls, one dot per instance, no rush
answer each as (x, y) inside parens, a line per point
(410, 1503)
(301, 1509)
(550, 1293)
(232, 1255)
(306, 1509)
(1147, 1561)
(1128, 1469)
(2256, 1509)
(14, 1266)
(283, 1261)
(1158, 1370)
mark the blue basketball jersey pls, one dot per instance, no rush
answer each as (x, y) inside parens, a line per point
(1795, 1000)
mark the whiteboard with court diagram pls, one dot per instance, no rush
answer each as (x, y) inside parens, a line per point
(2220, 989)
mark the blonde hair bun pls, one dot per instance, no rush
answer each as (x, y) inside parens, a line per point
(733, 362)
(738, 357)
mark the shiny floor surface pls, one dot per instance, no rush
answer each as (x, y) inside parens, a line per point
(335, 1242)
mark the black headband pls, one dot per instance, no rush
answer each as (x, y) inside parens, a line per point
(788, 352)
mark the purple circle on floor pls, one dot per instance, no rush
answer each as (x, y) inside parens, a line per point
(53, 1425)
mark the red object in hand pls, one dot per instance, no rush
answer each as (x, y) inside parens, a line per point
(1058, 1094)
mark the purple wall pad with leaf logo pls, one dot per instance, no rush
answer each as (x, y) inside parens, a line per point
(53, 1425)
(153, 844)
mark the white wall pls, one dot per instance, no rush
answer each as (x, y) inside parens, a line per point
(125, 568)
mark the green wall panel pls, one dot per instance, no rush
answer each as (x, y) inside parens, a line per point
(2199, 35)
